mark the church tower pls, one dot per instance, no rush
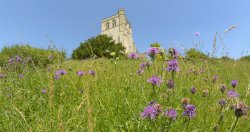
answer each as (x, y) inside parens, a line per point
(118, 27)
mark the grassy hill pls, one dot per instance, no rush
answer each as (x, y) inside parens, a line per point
(114, 97)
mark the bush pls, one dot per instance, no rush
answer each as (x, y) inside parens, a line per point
(99, 46)
(25, 54)
(226, 58)
(194, 54)
(245, 58)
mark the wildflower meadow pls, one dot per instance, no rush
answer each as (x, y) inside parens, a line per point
(134, 94)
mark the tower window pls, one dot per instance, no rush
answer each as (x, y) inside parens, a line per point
(107, 25)
(113, 23)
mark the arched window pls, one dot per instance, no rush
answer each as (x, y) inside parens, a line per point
(107, 25)
(113, 23)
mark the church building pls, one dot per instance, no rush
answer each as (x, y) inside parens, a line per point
(118, 27)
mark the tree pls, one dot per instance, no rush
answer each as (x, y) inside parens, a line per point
(99, 46)
(195, 54)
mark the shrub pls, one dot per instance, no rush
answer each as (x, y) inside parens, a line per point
(226, 58)
(194, 54)
(25, 54)
(245, 58)
(99, 46)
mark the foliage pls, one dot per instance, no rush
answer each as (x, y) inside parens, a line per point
(194, 54)
(226, 58)
(99, 46)
(30, 55)
(245, 58)
(155, 45)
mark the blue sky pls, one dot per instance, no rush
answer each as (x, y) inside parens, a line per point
(172, 23)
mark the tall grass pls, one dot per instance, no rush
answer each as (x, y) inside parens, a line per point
(113, 99)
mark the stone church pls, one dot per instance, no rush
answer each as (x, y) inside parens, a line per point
(118, 27)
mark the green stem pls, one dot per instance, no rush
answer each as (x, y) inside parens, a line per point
(169, 125)
(234, 125)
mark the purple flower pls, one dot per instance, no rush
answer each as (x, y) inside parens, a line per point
(61, 72)
(80, 73)
(222, 102)
(11, 61)
(232, 94)
(223, 88)
(56, 77)
(175, 53)
(153, 51)
(151, 111)
(139, 72)
(20, 75)
(173, 65)
(189, 111)
(193, 90)
(18, 58)
(44, 91)
(240, 109)
(2, 75)
(154, 80)
(171, 113)
(133, 55)
(92, 72)
(143, 65)
(197, 34)
(234, 83)
(170, 84)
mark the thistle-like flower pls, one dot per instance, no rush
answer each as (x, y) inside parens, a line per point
(173, 65)
(154, 80)
(171, 113)
(189, 111)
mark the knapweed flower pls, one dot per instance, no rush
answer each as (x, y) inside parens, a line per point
(133, 55)
(222, 102)
(92, 72)
(205, 93)
(153, 51)
(223, 88)
(18, 58)
(2, 75)
(170, 84)
(56, 77)
(143, 65)
(80, 73)
(189, 111)
(50, 57)
(240, 109)
(11, 61)
(173, 65)
(215, 78)
(185, 101)
(234, 83)
(20, 75)
(175, 53)
(151, 111)
(139, 72)
(171, 113)
(232, 94)
(44, 91)
(154, 80)
(197, 34)
(61, 72)
(193, 90)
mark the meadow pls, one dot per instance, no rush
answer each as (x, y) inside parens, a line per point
(115, 96)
